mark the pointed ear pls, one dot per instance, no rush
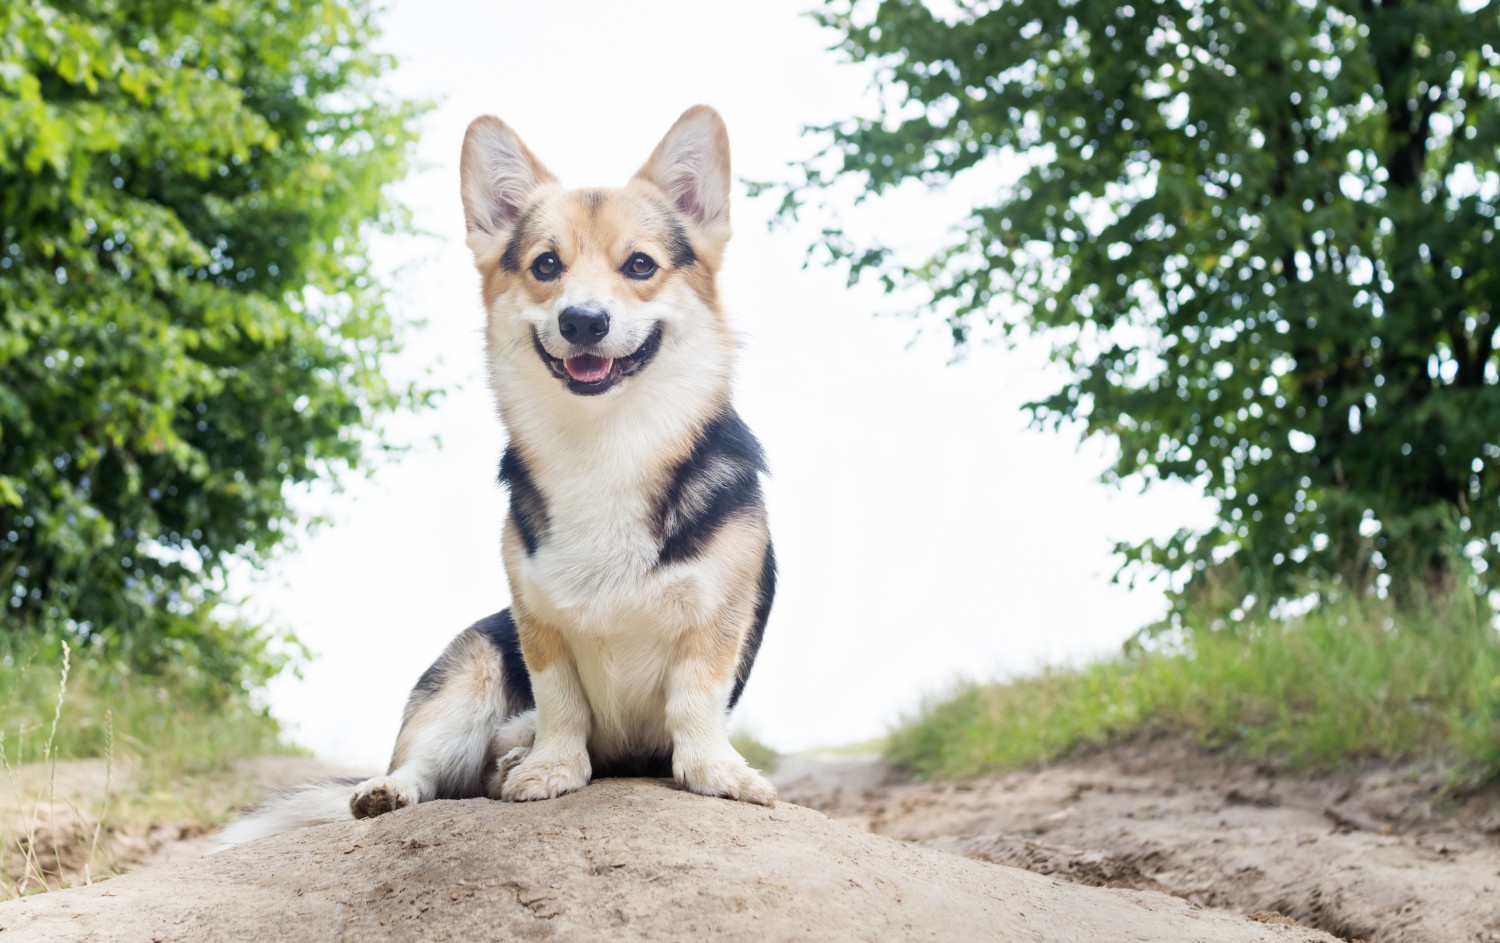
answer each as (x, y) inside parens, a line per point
(498, 172)
(691, 166)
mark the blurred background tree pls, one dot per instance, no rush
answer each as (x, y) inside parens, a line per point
(188, 321)
(1262, 238)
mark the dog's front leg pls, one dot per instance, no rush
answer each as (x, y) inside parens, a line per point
(703, 759)
(558, 762)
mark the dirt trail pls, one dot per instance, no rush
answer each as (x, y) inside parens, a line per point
(77, 820)
(621, 860)
(1363, 856)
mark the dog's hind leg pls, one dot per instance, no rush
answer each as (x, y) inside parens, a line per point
(512, 744)
(454, 722)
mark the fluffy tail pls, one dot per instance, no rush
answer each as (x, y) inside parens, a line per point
(312, 804)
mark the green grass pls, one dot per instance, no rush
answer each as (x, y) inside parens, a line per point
(162, 745)
(757, 754)
(166, 721)
(1320, 691)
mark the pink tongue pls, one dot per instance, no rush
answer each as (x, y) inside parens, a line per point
(588, 368)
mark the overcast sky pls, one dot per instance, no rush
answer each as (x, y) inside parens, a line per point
(923, 533)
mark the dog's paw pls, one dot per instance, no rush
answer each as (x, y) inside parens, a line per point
(534, 778)
(731, 779)
(495, 784)
(381, 795)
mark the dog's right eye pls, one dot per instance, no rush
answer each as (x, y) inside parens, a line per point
(546, 267)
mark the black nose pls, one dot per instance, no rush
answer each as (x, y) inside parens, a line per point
(582, 325)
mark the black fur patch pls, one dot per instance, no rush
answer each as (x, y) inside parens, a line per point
(527, 506)
(758, 630)
(718, 480)
(510, 259)
(653, 765)
(500, 630)
(432, 679)
(682, 250)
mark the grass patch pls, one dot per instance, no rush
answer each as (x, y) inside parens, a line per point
(858, 748)
(756, 753)
(1318, 691)
(166, 721)
(95, 755)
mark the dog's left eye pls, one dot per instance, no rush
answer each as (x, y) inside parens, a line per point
(640, 265)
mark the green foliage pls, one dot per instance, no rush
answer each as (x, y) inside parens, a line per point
(1343, 683)
(157, 751)
(1261, 236)
(182, 719)
(188, 321)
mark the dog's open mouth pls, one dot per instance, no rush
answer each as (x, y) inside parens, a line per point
(589, 374)
(589, 368)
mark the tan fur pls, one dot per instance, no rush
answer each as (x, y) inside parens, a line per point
(590, 235)
(471, 677)
(541, 642)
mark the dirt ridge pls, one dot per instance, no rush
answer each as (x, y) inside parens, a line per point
(1372, 854)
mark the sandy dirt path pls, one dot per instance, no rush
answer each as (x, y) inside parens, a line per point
(1369, 855)
(621, 860)
(81, 820)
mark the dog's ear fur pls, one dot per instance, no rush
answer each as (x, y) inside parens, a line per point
(498, 173)
(691, 166)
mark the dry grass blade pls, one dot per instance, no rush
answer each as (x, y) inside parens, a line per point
(109, 770)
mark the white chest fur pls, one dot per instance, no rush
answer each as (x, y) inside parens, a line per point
(595, 577)
(600, 467)
(592, 567)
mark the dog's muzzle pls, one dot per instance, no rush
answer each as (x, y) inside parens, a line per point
(589, 373)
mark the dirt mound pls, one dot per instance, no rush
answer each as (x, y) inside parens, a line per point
(620, 860)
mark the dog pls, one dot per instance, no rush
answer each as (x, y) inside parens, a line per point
(636, 546)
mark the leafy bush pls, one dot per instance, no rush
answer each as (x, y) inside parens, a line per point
(188, 321)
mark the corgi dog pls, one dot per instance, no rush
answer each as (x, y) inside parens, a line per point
(636, 545)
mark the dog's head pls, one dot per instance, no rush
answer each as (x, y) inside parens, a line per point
(594, 294)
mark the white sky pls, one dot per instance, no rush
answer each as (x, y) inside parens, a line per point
(923, 534)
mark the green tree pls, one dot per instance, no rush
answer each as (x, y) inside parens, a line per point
(188, 321)
(1262, 236)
